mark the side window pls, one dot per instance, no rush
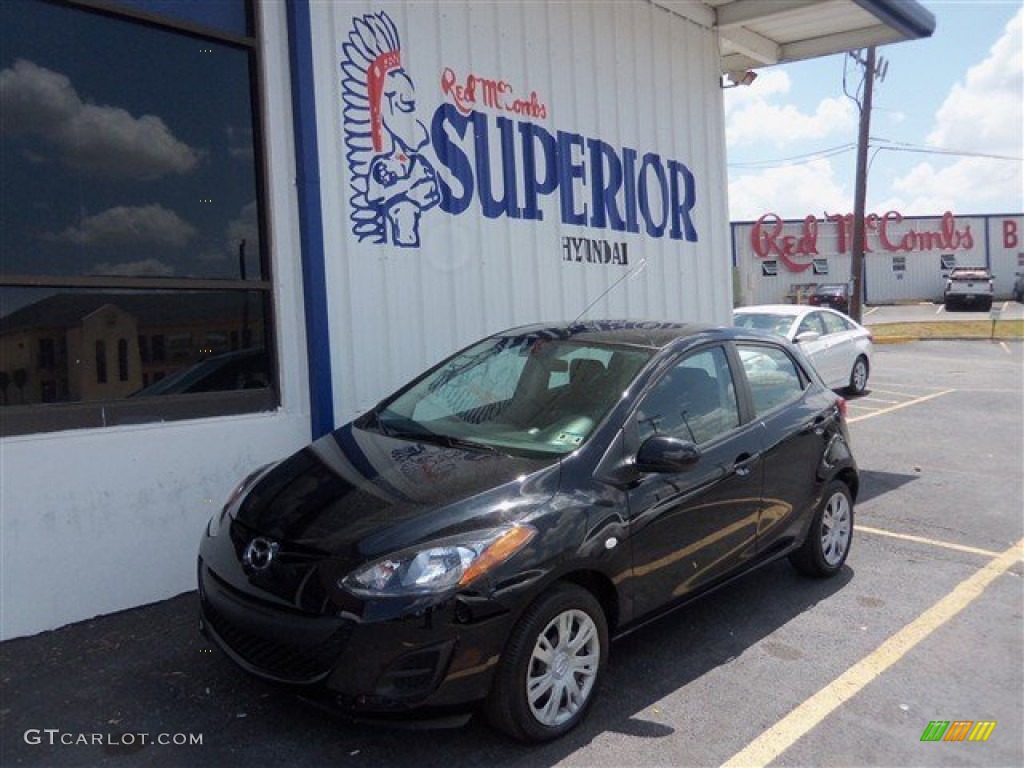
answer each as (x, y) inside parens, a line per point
(811, 322)
(834, 323)
(773, 376)
(695, 401)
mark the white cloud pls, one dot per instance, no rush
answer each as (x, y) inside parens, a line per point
(752, 114)
(151, 225)
(970, 185)
(984, 113)
(785, 124)
(105, 140)
(142, 268)
(790, 192)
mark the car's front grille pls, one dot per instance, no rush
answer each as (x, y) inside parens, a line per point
(291, 662)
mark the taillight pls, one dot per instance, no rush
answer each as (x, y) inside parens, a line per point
(841, 405)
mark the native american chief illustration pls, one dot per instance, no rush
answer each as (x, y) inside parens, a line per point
(393, 183)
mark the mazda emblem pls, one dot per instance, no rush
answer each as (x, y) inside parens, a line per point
(259, 554)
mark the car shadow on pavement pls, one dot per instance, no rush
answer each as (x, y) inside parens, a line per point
(104, 691)
(874, 484)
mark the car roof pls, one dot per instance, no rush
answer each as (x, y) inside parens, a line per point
(789, 310)
(654, 334)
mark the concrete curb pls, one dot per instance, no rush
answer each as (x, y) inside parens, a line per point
(905, 339)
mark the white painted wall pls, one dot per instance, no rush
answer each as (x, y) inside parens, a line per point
(95, 521)
(629, 74)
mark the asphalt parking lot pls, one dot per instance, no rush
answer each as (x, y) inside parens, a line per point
(924, 624)
(928, 311)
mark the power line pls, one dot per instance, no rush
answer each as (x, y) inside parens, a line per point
(796, 159)
(902, 146)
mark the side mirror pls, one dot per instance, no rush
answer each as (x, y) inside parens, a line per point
(661, 453)
(807, 336)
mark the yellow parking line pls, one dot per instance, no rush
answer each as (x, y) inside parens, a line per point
(781, 736)
(923, 540)
(915, 401)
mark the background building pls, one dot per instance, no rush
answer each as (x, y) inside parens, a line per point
(906, 258)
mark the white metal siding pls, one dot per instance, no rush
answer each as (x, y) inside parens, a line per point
(630, 74)
(904, 263)
(1006, 251)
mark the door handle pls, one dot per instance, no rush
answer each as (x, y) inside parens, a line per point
(744, 463)
(817, 425)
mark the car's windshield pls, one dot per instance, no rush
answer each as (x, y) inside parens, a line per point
(763, 321)
(520, 393)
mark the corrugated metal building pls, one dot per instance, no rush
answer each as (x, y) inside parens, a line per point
(907, 258)
(355, 188)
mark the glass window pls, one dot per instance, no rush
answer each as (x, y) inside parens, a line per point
(811, 322)
(695, 401)
(132, 222)
(764, 321)
(834, 323)
(773, 376)
(522, 393)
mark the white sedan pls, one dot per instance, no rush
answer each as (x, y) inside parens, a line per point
(839, 348)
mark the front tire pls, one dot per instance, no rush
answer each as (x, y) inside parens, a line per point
(858, 377)
(548, 674)
(828, 541)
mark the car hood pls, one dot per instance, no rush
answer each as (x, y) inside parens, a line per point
(360, 494)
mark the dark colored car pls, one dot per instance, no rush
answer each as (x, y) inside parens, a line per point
(834, 295)
(478, 537)
(242, 369)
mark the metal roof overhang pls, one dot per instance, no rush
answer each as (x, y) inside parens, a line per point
(759, 33)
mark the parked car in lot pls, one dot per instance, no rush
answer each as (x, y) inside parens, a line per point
(833, 295)
(479, 536)
(969, 287)
(1018, 287)
(839, 348)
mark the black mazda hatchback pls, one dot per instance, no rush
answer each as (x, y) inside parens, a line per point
(477, 538)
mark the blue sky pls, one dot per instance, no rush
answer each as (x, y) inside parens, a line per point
(792, 134)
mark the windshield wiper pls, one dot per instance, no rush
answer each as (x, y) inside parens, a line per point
(460, 442)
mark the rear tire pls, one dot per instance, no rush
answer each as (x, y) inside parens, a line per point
(858, 377)
(828, 541)
(548, 675)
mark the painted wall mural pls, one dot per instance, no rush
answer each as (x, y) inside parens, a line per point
(499, 160)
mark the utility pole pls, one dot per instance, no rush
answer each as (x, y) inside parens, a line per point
(860, 193)
(861, 190)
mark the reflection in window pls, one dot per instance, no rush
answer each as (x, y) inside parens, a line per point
(132, 216)
(101, 362)
(122, 359)
(774, 377)
(695, 401)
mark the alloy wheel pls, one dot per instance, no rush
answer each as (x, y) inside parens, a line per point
(835, 528)
(563, 667)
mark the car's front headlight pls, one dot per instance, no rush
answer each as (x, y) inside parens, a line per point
(439, 567)
(217, 521)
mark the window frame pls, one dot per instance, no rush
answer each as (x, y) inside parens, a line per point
(743, 407)
(803, 377)
(44, 417)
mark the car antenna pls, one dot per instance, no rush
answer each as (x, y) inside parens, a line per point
(630, 274)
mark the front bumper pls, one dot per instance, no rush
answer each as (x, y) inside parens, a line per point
(367, 658)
